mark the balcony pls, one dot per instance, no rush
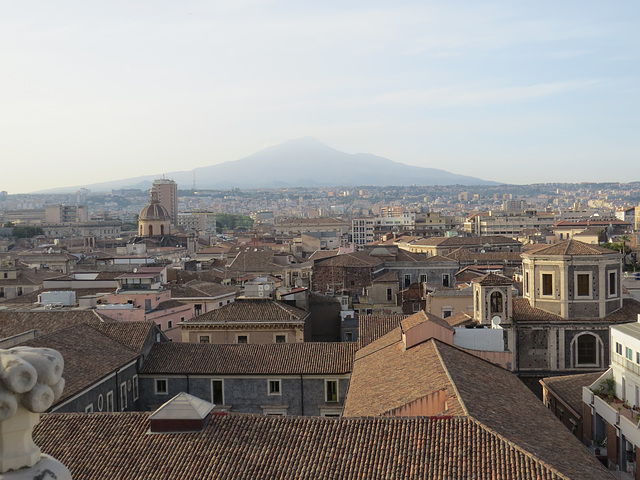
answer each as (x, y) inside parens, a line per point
(626, 363)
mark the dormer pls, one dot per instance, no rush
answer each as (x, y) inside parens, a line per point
(183, 413)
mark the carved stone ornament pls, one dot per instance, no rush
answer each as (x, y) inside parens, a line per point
(30, 382)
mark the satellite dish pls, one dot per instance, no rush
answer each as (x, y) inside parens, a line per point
(495, 322)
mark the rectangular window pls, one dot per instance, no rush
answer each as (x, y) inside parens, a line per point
(110, 401)
(217, 392)
(389, 294)
(416, 307)
(618, 348)
(526, 283)
(243, 339)
(407, 280)
(161, 386)
(331, 390)
(423, 278)
(638, 358)
(135, 387)
(445, 280)
(628, 353)
(273, 387)
(613, 284)
(197, 309)
(204, 338)
(169, 324)
(547, 284)
(123, 396)
(281, 339)
(582, 280)
(348, 336)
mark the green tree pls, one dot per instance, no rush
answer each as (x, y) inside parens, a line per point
(27, 231)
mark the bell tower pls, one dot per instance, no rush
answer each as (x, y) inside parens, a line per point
(492, 300)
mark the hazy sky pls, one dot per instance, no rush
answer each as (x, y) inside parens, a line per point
(512, 91)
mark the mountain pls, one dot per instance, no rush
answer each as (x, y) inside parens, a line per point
(304, 162)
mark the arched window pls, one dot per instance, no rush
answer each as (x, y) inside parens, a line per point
(496, 302)
(586, 350)
(151, 230)
(161, 229)
(477, 300)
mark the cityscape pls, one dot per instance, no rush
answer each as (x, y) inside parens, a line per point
(462, 305)
(272, 239)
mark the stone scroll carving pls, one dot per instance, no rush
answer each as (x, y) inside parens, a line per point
(30, 382)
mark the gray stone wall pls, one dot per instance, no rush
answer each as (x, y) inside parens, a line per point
(301, 396)
(97, 396)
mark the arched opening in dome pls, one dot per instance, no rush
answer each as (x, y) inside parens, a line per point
(151, 230)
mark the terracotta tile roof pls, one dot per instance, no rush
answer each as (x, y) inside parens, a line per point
(386, 278)
(200, 289)
(88, 355)
(459, 319)
(247, 359)
(386, 377)
(320, 254)
(237, 446)
(132, 335)
(492, 279)
(523, 311)
(372, 327)
(250, 260)
(358, 259)
(252, 310)
(568, 388)
(572, 247)
(15, 322)
(168, 305)
(467, 241)
(464, 255)
(421, 317)
(439, 258)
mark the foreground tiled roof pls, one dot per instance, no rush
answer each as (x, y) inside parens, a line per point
(573, 247)
(523, 311)
(15, 322)
(88, 355)
(568, 388)
(130, 334)
(235, 446)
(387, 377)
(251, 310)
(246, 359)
(372, 327)
(421, 317)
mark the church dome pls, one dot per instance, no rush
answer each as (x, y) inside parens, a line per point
(154, 210)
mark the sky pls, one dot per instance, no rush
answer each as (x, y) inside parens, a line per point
(511, 91)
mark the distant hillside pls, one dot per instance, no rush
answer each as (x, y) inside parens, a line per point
(304, 162)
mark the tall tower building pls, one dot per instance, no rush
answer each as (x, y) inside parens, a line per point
(167, 194)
